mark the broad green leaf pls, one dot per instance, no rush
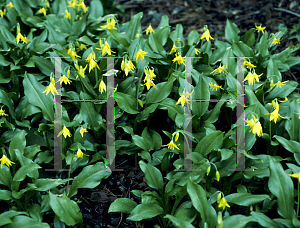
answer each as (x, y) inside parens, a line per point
(124, 205)
(5, 176)
(193, 37)
(209, 143)
(24, 170)
(80, 25)
(34, 92)
(178, 34)
(241, 49)
(95, 9)
(178, 222)
(146, 112)
(284, 91)
(134, 27)
(156, 46)
(231, 32)
(47, 184)
(5, 100)
(153, 176)
(238, 221)
(245, 199)
(249, 38)
(140, 142)
(5, 195)
(262, 45)
(292, 126)
(273, 72)
(289, 145)
(126, 102)
(119, 38)
(22, 221)
(89, 177)
(18, 142)
(160, 93)
(281, 185)
(265, 221)
(67, 210)
(161, 34)
(35, 212)
(201, 93)
(199, 200)
(145, 211)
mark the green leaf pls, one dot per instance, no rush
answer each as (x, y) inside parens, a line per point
(153, 176)
(231, 32)
(145, 211)
(126, 102)
(156, 46)
(22, 221)
(238, 221)
(18, 142)
(160, 93)
(292, 126)
(80, 25)
(140, 142)
(47, 184)
(178, 222)
(199, 200)
(178, 34)
(119, 38)
(281, 185)
(67, 210)
(193, 38)
(134, 27)
(289, 145)
(245, 199)
(95, 10)
(209, 143)
(161, 34)
(5, 176)
(284, 91)
(5, 195)
(89, 177)
(34, 92)
(265, 221)
(24, 170)
(124, 205)
(201, 93)
(262, 45)
(4, 99)
(35, 212)
(241, 49)
(249, 37)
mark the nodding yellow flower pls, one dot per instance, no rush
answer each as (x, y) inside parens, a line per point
(6, 161)
(171, 145)
(127, 66)
(51, 88)
(2, 12)
(65, 131)
(141, 102)
(255, 125)
(46, 5)
(285, 99)
(83, 6)
(220, 69)
(271, 84)
(274, 104)
(20, 36)
(72, 3)
(137, 35)
(149, 29)
(91, 59)
(71, 52)
(219, 219)
(179, 59)
(275, 41)
(219, 197)
(218, 176)
(252, 77)
(102, 86)
(105, 48)
(295, 175)
(42, 10)
(197, 51)
(110, 24)
(279, 84)
(80, 70)
(184, 98)
(150, 83)
(149, 74)
(248, 64)
(206, 35)
(2, 112)
(79, 154)
(67, 14)
(260, 29)
(10, 5)
(176, 135)
(215, 86)
(82, 46)
(174, 48)
(82, 130)
(223, 203)
(274, 115)
(140, 54)
(65, 79)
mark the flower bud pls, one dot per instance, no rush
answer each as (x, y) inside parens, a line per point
(176, 136)
(218, 176)
(219, 197)
(208, 170)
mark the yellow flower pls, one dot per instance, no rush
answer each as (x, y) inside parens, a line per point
(260, 29)
(150, 83)
(149, 29)
(43, 10)
(2, 12)
(174, 48)
(208, 170)
(67, 14)
(298, 114)
(91, 59)
(218, 176)
(82, 46)
(179, 59)
(20, 36)
(110, 24)
(285, 99)
(295, 175)
(141, 102)
(141, 54)
(171, 145)
(220, 69)
(223, 203)
(51, 88)
(279, 83)
(82, 130)
(271, 84)
(219, 197)
(176, 135)
(73, 3)
(183, 98)
(255, 125)
(274, 104)
(80, 70)
(219, 219)
(79, 154)
(274, 115)
(71, 52)
(250, 123)
(214, 86)
(252, 77)
(275, 41)
(196, 51)
(137, 35)
(127, 66)
(65, 131)
(206, 35)
(106, 49)
(2, 112)
(6, 161)
(83, 6)
(10, 5)
(102, 86)
(248, 64)
(65, 79)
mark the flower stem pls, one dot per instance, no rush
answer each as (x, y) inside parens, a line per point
(69, 174)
